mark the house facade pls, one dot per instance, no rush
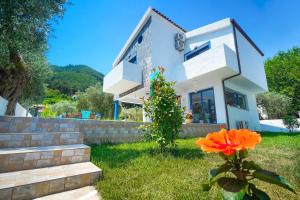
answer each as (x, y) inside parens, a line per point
(217, 68)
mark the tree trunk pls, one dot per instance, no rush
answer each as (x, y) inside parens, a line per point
(13, 81)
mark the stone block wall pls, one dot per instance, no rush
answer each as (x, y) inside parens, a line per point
(95, 131)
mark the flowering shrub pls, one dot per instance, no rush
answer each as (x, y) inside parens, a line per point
(235, 175)
(163, 110)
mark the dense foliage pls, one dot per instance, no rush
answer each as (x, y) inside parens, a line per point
(64, 107)
(164, 112)
(276, 105)
(131, 114)
(95, 100)
(73, 78)
(283, 75)
(54, 96)
(290, 122)
(24, 30)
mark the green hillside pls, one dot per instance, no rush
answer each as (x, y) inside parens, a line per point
(72, 78)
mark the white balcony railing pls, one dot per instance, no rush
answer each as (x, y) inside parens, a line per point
(123, 77)
(215, 59)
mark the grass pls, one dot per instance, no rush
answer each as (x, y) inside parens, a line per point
(138, 171)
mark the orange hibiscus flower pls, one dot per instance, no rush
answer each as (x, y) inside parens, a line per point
(230, 141)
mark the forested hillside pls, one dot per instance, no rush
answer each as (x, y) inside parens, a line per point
(72, 78)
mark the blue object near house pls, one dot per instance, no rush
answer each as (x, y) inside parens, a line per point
(153, 75)
(85, 114)
(151, 78)
(116, 110)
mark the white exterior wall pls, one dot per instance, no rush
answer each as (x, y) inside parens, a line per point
(122, 77)
(275, 125)
(20, 111)
(3, 105)
(237, 114)
(216, 38)
(208, 82)
(252, 64)
(163, 45)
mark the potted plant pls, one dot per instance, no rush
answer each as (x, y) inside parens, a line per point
(189, 118)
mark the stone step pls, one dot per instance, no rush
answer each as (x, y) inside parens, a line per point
(85, 193)
(12, 140)
(22, 158)
(29, 184)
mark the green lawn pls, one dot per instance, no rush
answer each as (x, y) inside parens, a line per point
(138, 171)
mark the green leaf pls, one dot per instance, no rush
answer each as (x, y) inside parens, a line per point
(248, 197)
(273, 178)
(206, 187)
(216, 171)
(243, 153)
(259, 194)
(232, 189)
(250, 165)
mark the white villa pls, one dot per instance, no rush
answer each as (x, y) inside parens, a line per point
(217, 68)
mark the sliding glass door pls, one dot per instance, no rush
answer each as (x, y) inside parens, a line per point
(203, 106)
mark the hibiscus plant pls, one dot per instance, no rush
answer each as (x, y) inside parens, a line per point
(236, 174)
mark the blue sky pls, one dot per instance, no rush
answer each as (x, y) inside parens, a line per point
(93, 32)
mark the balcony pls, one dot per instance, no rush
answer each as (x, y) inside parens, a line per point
(220, 60)
(123, 77)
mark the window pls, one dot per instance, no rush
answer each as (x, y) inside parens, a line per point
(198, 50)
(235, 99)
(133, 60)
(140, 39)
(202, 104)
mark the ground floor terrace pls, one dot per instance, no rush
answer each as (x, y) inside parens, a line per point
(210, 100)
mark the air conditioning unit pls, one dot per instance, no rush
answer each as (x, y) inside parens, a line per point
(179, 41)
(242, 125)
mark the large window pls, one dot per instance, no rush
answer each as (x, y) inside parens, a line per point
(198, 50)
(203, 106)
(235, 99)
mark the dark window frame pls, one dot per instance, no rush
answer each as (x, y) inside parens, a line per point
(197, 51)
(201, 101)
(236, 96)
(133, 59)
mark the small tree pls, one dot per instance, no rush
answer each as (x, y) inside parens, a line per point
(95, 100)
(291, 122)
(164, 112)
(64, 107)
(276, 105)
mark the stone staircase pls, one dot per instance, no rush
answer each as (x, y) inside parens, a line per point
(38, 164)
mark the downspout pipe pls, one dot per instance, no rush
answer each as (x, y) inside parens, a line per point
(235, 75)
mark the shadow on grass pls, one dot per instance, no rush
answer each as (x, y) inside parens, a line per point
(275, 134)
(115, 157)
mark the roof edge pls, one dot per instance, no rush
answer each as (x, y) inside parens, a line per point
(168, 19)
(239, 28)
(138, 27)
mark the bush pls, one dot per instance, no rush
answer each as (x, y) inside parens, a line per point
(276, 105)
(48, 113)
(95, 100)
(64, 107)
(131, 114)
(164, 112)
(291, 122)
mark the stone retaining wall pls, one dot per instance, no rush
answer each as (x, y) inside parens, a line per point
(95, 131)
